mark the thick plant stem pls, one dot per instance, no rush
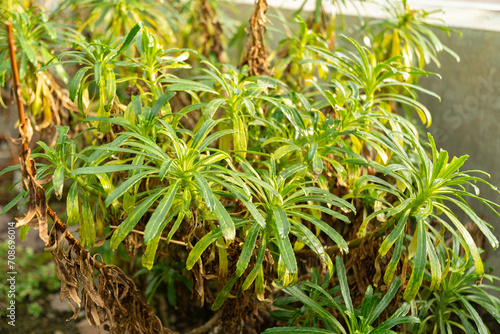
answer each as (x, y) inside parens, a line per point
(17, 87)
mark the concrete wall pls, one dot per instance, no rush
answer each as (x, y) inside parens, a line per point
(467, 120)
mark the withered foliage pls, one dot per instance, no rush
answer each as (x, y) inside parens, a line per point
(50, 104)
(324, 25)
(255, 55)
(211, 34)
(37, 212)
(109, 297)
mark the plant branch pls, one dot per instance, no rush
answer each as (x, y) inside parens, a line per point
(17, 88)
(207, 326)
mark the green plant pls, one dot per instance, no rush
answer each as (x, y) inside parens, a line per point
(295, 49)
(425, 188)
(457, 295)
(315, 298)
(408, 33)
(100, 61)
(108, 19)
(36, 37)
(164, 274)
(380, 83)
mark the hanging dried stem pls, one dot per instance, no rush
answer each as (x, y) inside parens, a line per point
(212, 34)
(110, 298)
(324, 24)
(255, 49)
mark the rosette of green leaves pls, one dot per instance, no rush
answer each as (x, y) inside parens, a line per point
(379, 82)
(279, 206)
(293, 50)
(424, 191)
(155, 62)
(230, 92)
(84, 201)
(169, 176)
(35, 38)
(315, 299)
(109, 19)
(456, 296)
(99, 63)
(409, 33)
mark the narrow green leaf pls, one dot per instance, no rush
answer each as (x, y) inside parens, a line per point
(125, 186)
(200, 247)
(137, 105)
(130, 37)
(205, 190)
(75, 83)
(258, 264)
(212, 107)
(126, 226)
(27, 49)
(280, 221)
(384, 302)
(344, 287)
(394, 235)
(164, 168)
(185, 85)
(23, 232)
(247, 250)
(58, 181)
(396, 255)
(312, 151)
(160, 103)
(109, 76)
(330, 231)
(107, 169)
(254, 212)
(249, 105)
(176, 226)
(12, 203)
(475, 316)
(435, 265)
(72, 205)
(307, 237)
(97, 72)
(221, 297)
(418, 268)
(87, 225)
(324, 314)
(226, 222)
(479, 222)
(153, 226)
(286, 250)
(148, 258)
(202, 132)
(240, 140)
(292, 170)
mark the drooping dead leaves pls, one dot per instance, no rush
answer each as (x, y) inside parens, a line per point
(255, 50)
